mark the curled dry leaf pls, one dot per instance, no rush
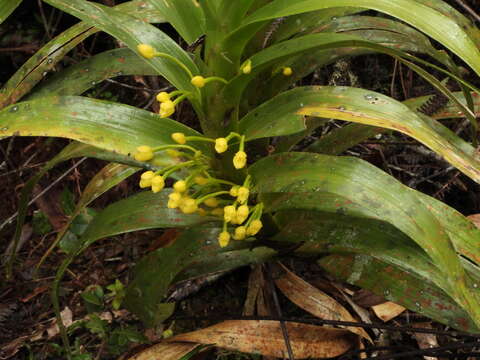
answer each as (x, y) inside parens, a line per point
(388, 310)
(314, 301)
(165, 351)
(265, 337)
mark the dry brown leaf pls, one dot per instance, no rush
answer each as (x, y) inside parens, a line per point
(67, 319)
(265, 337)
(165, 351)
(314, 301)
(388, 310)
(426, 341)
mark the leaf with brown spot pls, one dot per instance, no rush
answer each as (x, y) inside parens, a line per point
(314, 301)
(265, 338)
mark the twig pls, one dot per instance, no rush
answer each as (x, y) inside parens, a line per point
(278, 309)
(469, 9)
(166, 88)
(11, 218)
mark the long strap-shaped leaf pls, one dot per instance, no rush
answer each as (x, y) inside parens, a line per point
(106, 125)
(422, 17)
(374, 194)
(285, 112)
(51, 53)
(398, 286)
(78, 78)
(186, 17)
(133, 32)
(7, 7)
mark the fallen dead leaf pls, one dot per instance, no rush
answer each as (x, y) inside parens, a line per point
(388, 310)
(314, 301)
(67, 319)
(426, 341)
(265, 337)
(475, 219)
(165, 351)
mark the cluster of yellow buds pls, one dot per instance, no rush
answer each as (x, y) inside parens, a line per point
(200, 192)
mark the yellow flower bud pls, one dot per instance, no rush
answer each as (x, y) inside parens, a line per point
(189, 206)
(240, 233)
(240, 160)
(200, 180)
(179, 138)
(175, 196)
(223, 239)
(229, 213)
(201, 212)
(144, 153)
(172, 204)
(180, 186)
(163, 96)
(158, 183)
(287, 71)
(146, 179)
(247, 67)
(147, 51)
(221, 145)
(167, 108)
(198, 81)
(174, 200)
(211, 202)
(217, 212)
(242, 194)
(254, 227)
(234, 190)
(242, 214)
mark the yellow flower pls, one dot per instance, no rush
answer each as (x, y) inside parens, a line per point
(240, 233)
(174, 200)
(147, 51)
(179, 138)
(223, 238)
(146, 179)
(211, 202)
(217, 212)
(174, 153)
(229, 213)
(242, 214)
(200, 180)
(144, 153)
(287, 71)
(221, 145)
(167, 108)
(188, 206)
(201, 212)
(242, 194)
(158, 183)
(198, 81)
(247, 67)
(240, 160)
(163, 96)
(234, 190)
(180, 186)
(254, 227)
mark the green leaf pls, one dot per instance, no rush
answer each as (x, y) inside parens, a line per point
(186, 16)
(287, 110)
(78, 78)
(354, 187)
(44, 60)
(416, 294)
(103, 124)
(420, 16)
(133, 32)
(194, 252)
(7, 7)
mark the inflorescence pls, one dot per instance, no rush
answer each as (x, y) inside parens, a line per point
(198, 191)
